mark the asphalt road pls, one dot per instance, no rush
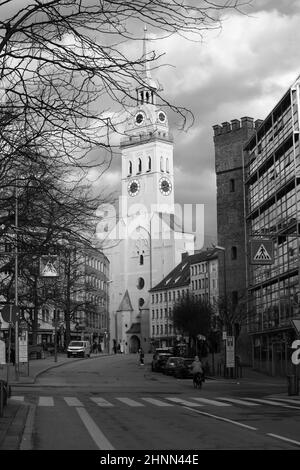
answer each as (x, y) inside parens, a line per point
(114, 403)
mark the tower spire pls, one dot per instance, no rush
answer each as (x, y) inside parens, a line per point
(149, 82)
(146, 71)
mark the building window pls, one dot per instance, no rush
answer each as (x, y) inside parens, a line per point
(141, 302)
(232, 185)
(141, 283)
(161, 313)
(160, 297)
(153, 330)
(153, 314)
(141, 259)
(149, 163)
(156, 298)
(234, 296)
(233, 252)
(139, 165)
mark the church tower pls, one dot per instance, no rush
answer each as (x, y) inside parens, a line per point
(152, 246)
(147, 150)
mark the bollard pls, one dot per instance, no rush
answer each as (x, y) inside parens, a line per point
(1, 397)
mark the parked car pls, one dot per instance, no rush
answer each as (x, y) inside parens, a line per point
(172, 364)
(79, 348)
(158, 361)
(184, 368)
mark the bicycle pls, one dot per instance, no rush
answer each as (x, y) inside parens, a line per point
(197, 380)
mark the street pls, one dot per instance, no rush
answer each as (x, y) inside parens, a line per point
(112, 403)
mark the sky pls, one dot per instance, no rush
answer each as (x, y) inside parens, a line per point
(242, 70)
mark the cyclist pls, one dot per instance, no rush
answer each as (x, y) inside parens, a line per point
(197, 368)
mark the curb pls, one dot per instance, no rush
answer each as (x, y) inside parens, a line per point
(26, 440)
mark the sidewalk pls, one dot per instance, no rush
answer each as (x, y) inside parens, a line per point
(17, 415)
(37, 367)
(252, 376)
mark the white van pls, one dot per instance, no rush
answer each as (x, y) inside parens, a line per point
(79, 348)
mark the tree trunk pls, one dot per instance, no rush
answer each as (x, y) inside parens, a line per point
(35, 319)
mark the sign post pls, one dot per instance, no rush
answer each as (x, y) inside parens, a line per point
(230, 354)
(23, 344)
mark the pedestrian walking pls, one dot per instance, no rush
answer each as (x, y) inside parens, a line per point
(141, 353)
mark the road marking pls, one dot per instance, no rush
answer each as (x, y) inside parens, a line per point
(72, 401)
(156, 402)
(17, 397)
(101, 402)
(284, 439)
(239, 402)
(273, 403)
(210, 402)
(182, 402)
(46, 401)
(129, 402)
(220, 418)
(288, 400)
(97, 435)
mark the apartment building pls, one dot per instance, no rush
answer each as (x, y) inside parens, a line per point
(272, 185)
(195, 275)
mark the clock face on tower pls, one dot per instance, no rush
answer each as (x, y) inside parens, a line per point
(165, 186)
(133, 187)
(161, 116)
(139, 118)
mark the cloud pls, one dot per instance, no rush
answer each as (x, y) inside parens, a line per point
(242, 70)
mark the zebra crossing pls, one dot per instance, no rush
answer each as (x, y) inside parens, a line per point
(190, 401)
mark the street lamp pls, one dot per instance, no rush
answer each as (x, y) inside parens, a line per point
(107, 334)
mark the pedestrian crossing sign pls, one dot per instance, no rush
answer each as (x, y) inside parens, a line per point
(262, 251)
(49, 266)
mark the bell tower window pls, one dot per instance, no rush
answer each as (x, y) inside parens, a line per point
(130, 168)
(167, 165)
(161, 164)
(149, 164)
(147, 96)
(139, 165)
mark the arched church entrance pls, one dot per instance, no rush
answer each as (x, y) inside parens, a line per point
(134, 344)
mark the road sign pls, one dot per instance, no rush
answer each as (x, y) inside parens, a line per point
(49, 266)
(262, 251)
(23, 346)
(10, 313)
(296, 325)
(230, 354)
(2, 352)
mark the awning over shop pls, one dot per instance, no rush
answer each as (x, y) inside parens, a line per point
(135, 328)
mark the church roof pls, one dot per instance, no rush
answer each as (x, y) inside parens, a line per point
(125, 304)
(180, 275)
(135, 328)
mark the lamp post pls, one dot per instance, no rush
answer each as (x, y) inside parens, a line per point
(223, 249)
(107, 335)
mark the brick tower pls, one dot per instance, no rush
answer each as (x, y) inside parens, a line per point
(229, 140)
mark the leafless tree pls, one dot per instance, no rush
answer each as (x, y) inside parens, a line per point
(66, 75)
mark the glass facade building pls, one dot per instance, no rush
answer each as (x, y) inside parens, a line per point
(272, 195)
